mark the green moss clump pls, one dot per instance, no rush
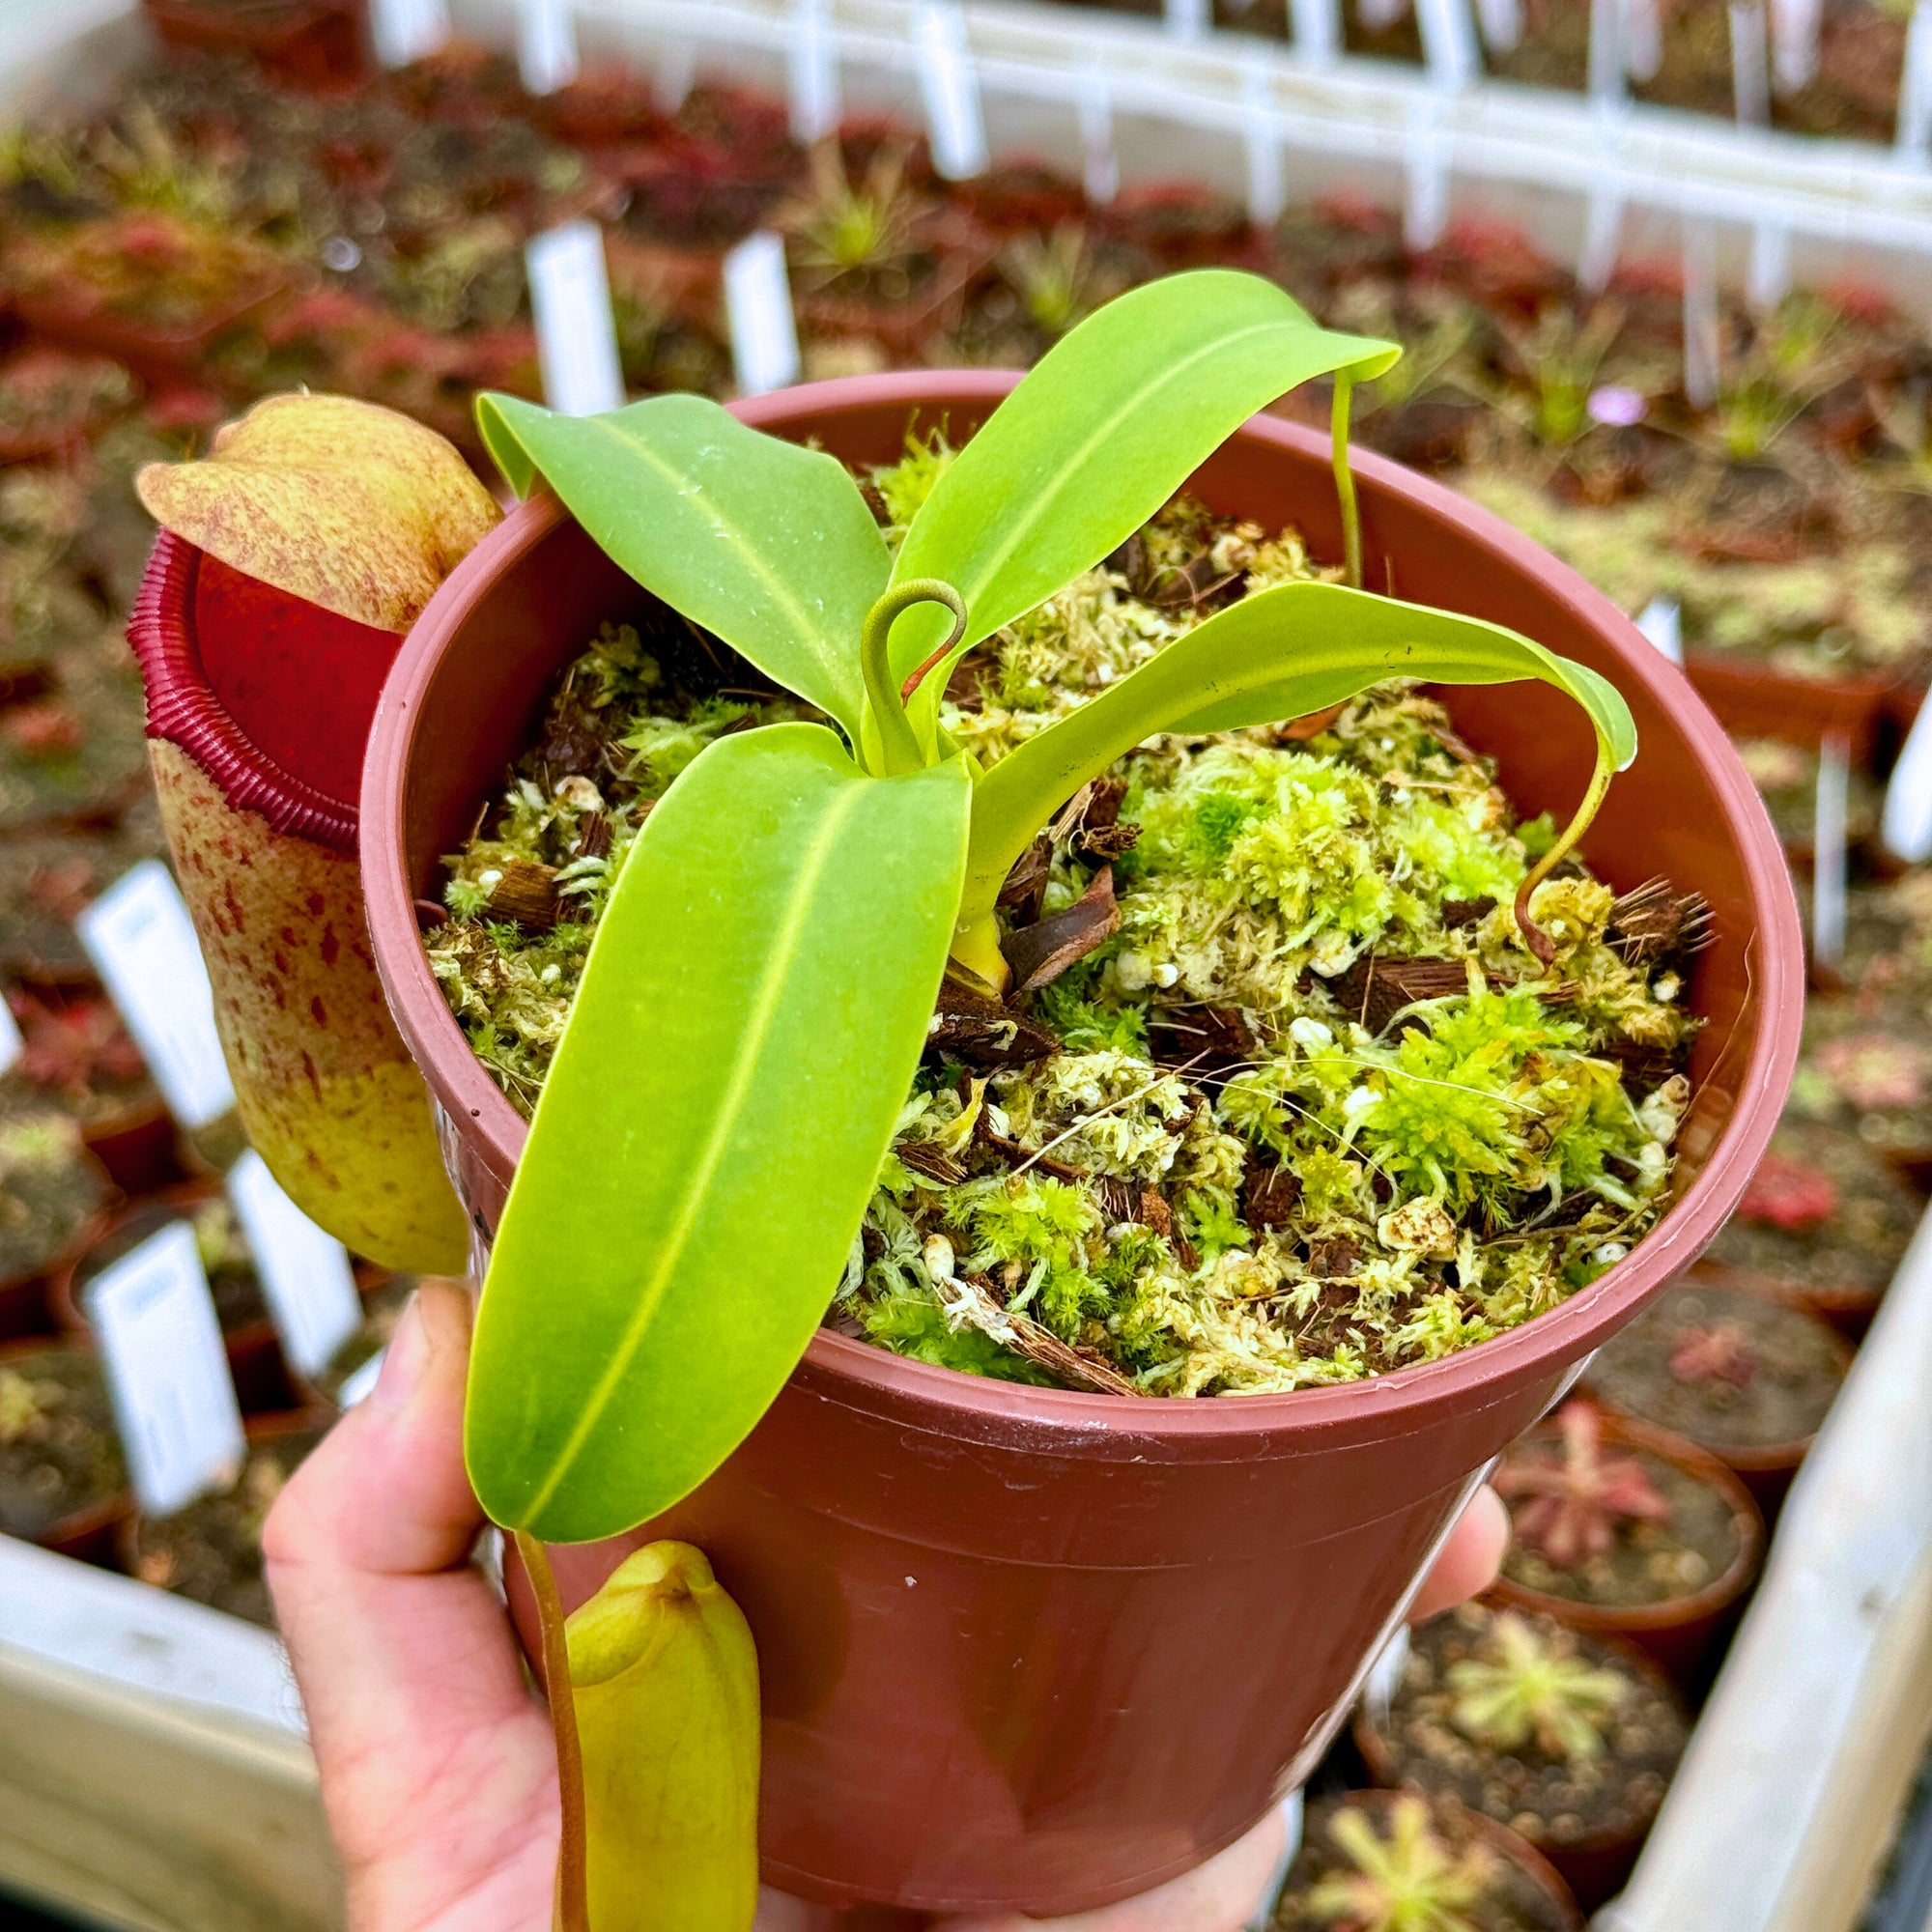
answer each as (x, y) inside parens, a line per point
(1316, 1113)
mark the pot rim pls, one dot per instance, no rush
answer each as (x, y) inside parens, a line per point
(846, 1370)
(1669, 1613)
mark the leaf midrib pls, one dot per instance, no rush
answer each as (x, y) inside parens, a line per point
(689, 492)
(763, 1010)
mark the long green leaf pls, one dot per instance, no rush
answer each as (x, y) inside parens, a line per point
(1103, 430)
(1279, 654)
(768, 545)
(748, 1024)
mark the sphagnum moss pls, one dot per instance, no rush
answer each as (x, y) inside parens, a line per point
(1310, 1112)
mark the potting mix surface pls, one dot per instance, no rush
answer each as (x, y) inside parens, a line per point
(1286, 1099)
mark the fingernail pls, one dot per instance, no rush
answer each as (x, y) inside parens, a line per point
(404, 1360)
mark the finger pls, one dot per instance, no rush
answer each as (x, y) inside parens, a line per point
(403, 1654)
(1469, 1561)
(1218, 1897)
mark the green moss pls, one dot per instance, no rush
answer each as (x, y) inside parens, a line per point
(1443, 1167)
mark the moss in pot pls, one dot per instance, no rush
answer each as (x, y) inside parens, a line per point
(1154, 1173)
(1568, 1738)
(1624, 1528)
(729, 501)
(63, 1479)
(1380, 1862)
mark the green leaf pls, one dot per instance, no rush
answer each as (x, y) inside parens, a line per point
(749, 1021)
(767, 545)
(1104, 429)
(1279, 654)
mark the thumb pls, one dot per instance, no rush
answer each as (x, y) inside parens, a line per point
(1219, 1897)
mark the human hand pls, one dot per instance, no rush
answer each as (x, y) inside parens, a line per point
(437, 1769)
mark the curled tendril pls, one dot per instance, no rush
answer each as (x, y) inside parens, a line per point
(1538, 941)
(888, 701)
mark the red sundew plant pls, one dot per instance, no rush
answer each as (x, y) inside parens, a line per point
(1789, 1194)
(1570, 1509)
(1720, 1353)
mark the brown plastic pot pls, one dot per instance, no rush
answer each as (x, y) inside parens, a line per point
(1680, 1631)
(90, 1535)
(1027, 1649)
(1595, 1865)
(71, 314)
(315, 42)
(1849, 1308)
(1755, 701)
(137, 1146)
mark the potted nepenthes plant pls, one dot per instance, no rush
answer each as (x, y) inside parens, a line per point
(762, 966)
(1617, 1526)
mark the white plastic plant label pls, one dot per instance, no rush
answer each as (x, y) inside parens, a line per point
(153, 1320)
(1449, 43)
(674, 73)
(546, 55)
(1794, 42)
(408, 30)
(1189, 19)
(1827, 842)
(1501, 21)
(1907, 823)
(1605, 71)
(1642, 29)
(1100, 166)
(812, 71)
(306, 1274)
(1603, 236)
(576, 337)
(1661, 622)
(1768, 277)
(11, 1042)
(1702, 351)
(1915, 84)
(955, 122)
(758, 306)
(1261, 140)
(1424, 210)
(1750, 63)
(142, 943)
(1317, 26)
